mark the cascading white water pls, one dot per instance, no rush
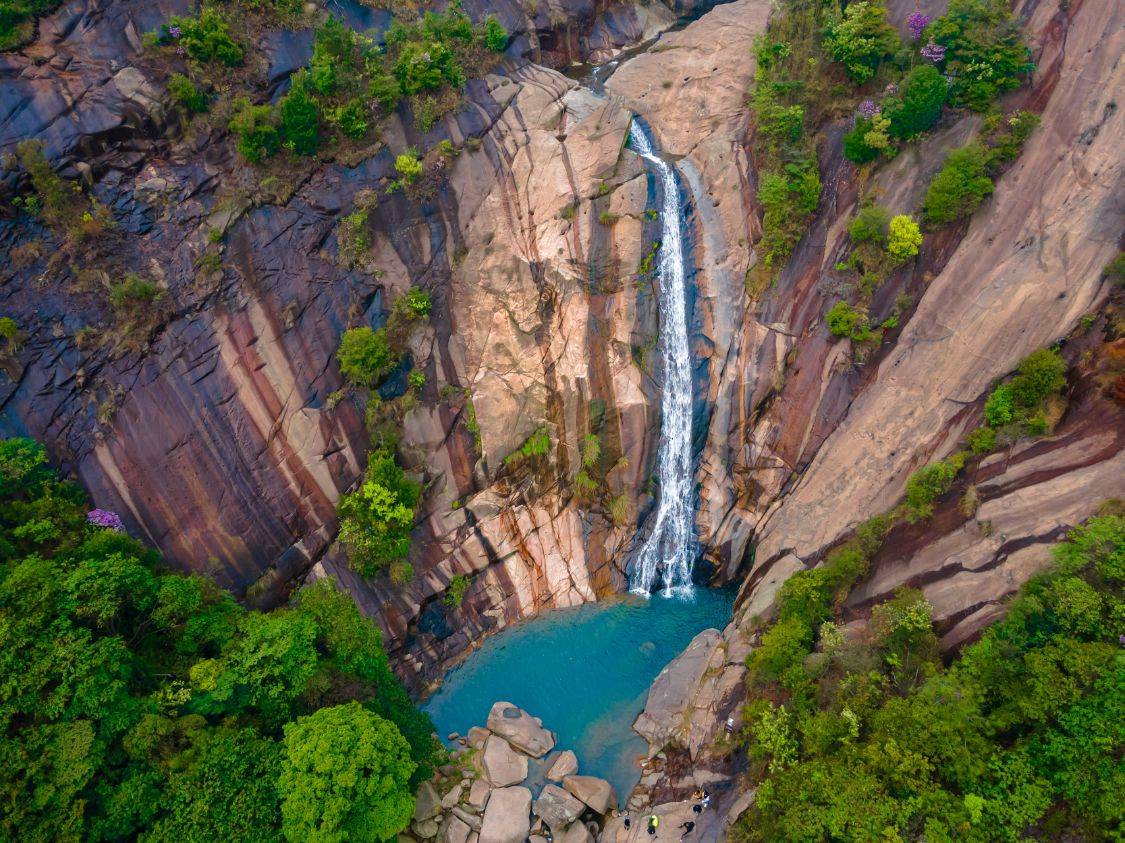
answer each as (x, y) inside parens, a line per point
(667, 556)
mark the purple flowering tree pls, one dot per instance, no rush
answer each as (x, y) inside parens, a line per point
(916, 23)
(868, 109)
(105, 518)
(933, 52)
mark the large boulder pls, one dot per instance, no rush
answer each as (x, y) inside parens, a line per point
(478, 795)
(520, 729)
(455, 831)
(501, 764)
(577, 833)
(565, 764)
(595, 792)
(507, 818)
(557, 808)
(427, 803)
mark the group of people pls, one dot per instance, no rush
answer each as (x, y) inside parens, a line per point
(700, 797)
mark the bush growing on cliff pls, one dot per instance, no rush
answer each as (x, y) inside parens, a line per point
(1019, 402)
(205, 38)
(917, 106)
(140, 703)
(376, 519)
(984, 53)
(862, 39)
(903, 238)
(17, 20)
(300, 116)
(961, 185)
(256, 129)
(365, 356)
(1022, 732)
(928, 484)
(186, 95)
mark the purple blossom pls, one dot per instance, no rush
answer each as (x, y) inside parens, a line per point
(105, 518)
(916, 23)
(175, 32)
(868, 109)
(933, 52)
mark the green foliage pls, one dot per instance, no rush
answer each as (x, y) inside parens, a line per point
(495, 36)
(870, 225)
(133, 291)
(455, 595)
(376, 519)
(862, 39)
(409, 168)
(929, 483)
(904, 238)
(856, 147)
(345, 776)
(256, 129)
(186, 95)
(1019, 736)
(414, 304)
(538, 444)
(917, 105)
(1020, 401)
(788, 197)
(61, 204)
(961, 185)
(846, 320)
(206, 38)
(591, 450)
(365, 356)
(17, 19)
(300, 116)
(137, 703)
(982, 440)
(984, 53)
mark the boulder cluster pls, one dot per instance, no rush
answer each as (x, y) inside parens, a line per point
(483, 795)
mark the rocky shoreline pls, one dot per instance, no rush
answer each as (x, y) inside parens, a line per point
(508, 782)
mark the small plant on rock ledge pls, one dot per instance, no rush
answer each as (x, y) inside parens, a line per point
(458, 587)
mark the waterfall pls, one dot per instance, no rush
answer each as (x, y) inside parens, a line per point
(668, 553)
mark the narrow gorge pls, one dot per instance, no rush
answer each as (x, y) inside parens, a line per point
(645, 367)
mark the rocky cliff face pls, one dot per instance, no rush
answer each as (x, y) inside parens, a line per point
(219, 436)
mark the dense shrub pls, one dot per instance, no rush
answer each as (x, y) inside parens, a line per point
(928, 484)
(458, 586)
(870, 225)
(1021, 733)
(856, 147)
(984, 53)
(538, 444)
(917, 106)
(186, 95)
(495, 36)
(376, 519)
(144, 704)
(345, 776)
(256, 129)
(205, 39)
(17, 19)
(862, 39)
(132, 292)
(903, 239)
(1019, 403)
(961, 185)
(300, 116)
(788, 197)
(846, 320)
(365, 356)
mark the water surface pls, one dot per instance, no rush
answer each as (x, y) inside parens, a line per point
(585, 672)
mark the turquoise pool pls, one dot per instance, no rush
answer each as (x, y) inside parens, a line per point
(584, 671)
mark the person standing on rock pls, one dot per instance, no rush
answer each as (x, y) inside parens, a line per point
(688, 827)
(653, 824)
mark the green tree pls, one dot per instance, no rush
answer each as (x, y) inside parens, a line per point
(376, 519)
(917, 106)
(862, 39)
(365, 356)
(345, 776)
(300, 116)
(904, 238)
(256, 127)
(984, 53)
(961, 185)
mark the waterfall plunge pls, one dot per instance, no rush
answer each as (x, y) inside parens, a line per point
(667, 555)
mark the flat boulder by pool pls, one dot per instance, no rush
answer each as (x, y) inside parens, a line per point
(565, 764)
(520, 729)
(595, 792)
(556, 807)
(501, 764)
(507, 818)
